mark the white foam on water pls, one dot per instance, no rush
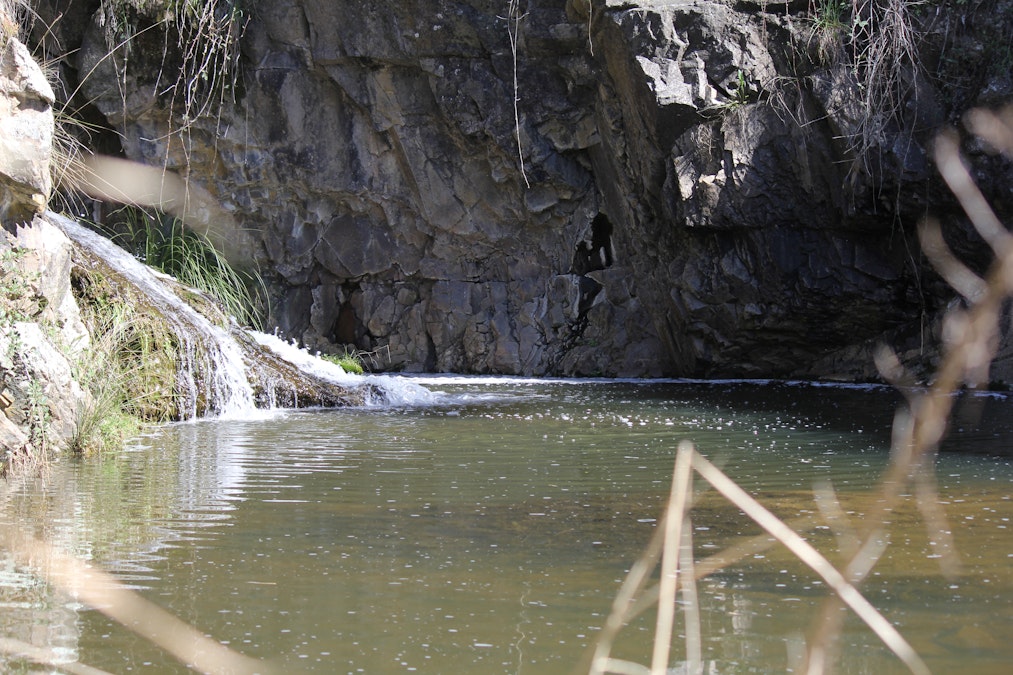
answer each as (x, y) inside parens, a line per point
(403, 392)
(395, 391)
(457, 379)
(304, 361)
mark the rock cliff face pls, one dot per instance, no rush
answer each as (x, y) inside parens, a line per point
(26, 133)
(640, 189)
(58, 381)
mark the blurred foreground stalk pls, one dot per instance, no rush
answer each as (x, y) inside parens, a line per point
(971, 337)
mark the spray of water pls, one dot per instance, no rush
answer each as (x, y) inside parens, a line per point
(384, 390)
(212, 376)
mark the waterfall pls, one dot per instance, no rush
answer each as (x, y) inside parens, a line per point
(205, 348)
(229, 373)
(393, 391)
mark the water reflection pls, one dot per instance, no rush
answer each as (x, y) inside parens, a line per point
(489, 531)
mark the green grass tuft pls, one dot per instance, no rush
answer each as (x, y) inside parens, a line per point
(350, 362)
(165, 243)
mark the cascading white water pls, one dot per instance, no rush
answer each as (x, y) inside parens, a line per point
(206, 349)
(396, 391)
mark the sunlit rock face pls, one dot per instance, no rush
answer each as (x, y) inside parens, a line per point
(38, 399)
(671, 194)
(26, 134)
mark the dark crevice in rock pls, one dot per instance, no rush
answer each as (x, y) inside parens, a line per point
(596, 252)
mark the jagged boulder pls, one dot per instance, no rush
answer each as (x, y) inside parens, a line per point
(38, 397)
(45, 396)
(46, 259)
(40, 332)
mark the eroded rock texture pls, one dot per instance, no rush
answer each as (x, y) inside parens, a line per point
(687, 203)
(26, 133)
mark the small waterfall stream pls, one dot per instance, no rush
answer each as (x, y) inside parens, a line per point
(392, 390)
(204, 347)
(214, 371)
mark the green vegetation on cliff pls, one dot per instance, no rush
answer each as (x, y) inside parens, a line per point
(165, 243)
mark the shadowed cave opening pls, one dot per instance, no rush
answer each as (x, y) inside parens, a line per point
(597, 253)
(590, 256)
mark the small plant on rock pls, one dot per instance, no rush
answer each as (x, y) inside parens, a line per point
(829, 28)
(349, 361)
(108, 377)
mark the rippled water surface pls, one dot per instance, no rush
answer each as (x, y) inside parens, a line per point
(488, 531)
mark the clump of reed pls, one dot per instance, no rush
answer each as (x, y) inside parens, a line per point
(165, 243)
(130, 367)
(349, 361)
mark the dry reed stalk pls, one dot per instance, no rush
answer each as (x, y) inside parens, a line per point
(972, 336)
(667, 539)
(626, 604)
(103, 592)
(673, 526)
(842, 527)
(30, 652)
(806, 553)
(746, 547)
(691, 603)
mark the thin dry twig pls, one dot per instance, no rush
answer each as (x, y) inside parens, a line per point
(829, 506)
(624, 603)
(747, 546)
(958, 178)
(971, 343)
(102, 591)
(963, 280)
(670, 535)
(672, 526)
(513, 21)
(805, 552)
(691, 602)
(24, 650)
(995, 128)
